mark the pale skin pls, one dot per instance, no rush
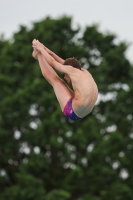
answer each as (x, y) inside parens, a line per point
(85, 90)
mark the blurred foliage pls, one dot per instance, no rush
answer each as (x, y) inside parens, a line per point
(44, 156)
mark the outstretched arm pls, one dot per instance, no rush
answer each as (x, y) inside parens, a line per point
(56, 57)
(62, 68)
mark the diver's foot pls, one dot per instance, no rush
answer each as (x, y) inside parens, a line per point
(35, 53)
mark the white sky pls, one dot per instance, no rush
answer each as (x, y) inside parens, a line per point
(112, 15)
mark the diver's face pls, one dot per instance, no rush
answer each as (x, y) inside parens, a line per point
(67, 78)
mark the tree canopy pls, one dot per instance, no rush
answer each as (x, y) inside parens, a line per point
(43, 155)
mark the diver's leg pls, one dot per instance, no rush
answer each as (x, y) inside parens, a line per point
(62, 91)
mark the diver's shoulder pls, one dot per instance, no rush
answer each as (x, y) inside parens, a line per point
(85, 71)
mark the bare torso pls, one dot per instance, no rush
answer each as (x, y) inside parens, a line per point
(85, 92)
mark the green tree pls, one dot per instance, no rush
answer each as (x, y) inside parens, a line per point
(44, 156)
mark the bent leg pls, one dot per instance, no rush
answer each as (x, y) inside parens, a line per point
(62, 91)
(47, 71)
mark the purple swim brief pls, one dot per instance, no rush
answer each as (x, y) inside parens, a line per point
(68, 111)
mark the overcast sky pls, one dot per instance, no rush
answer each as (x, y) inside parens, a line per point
(115, 16)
